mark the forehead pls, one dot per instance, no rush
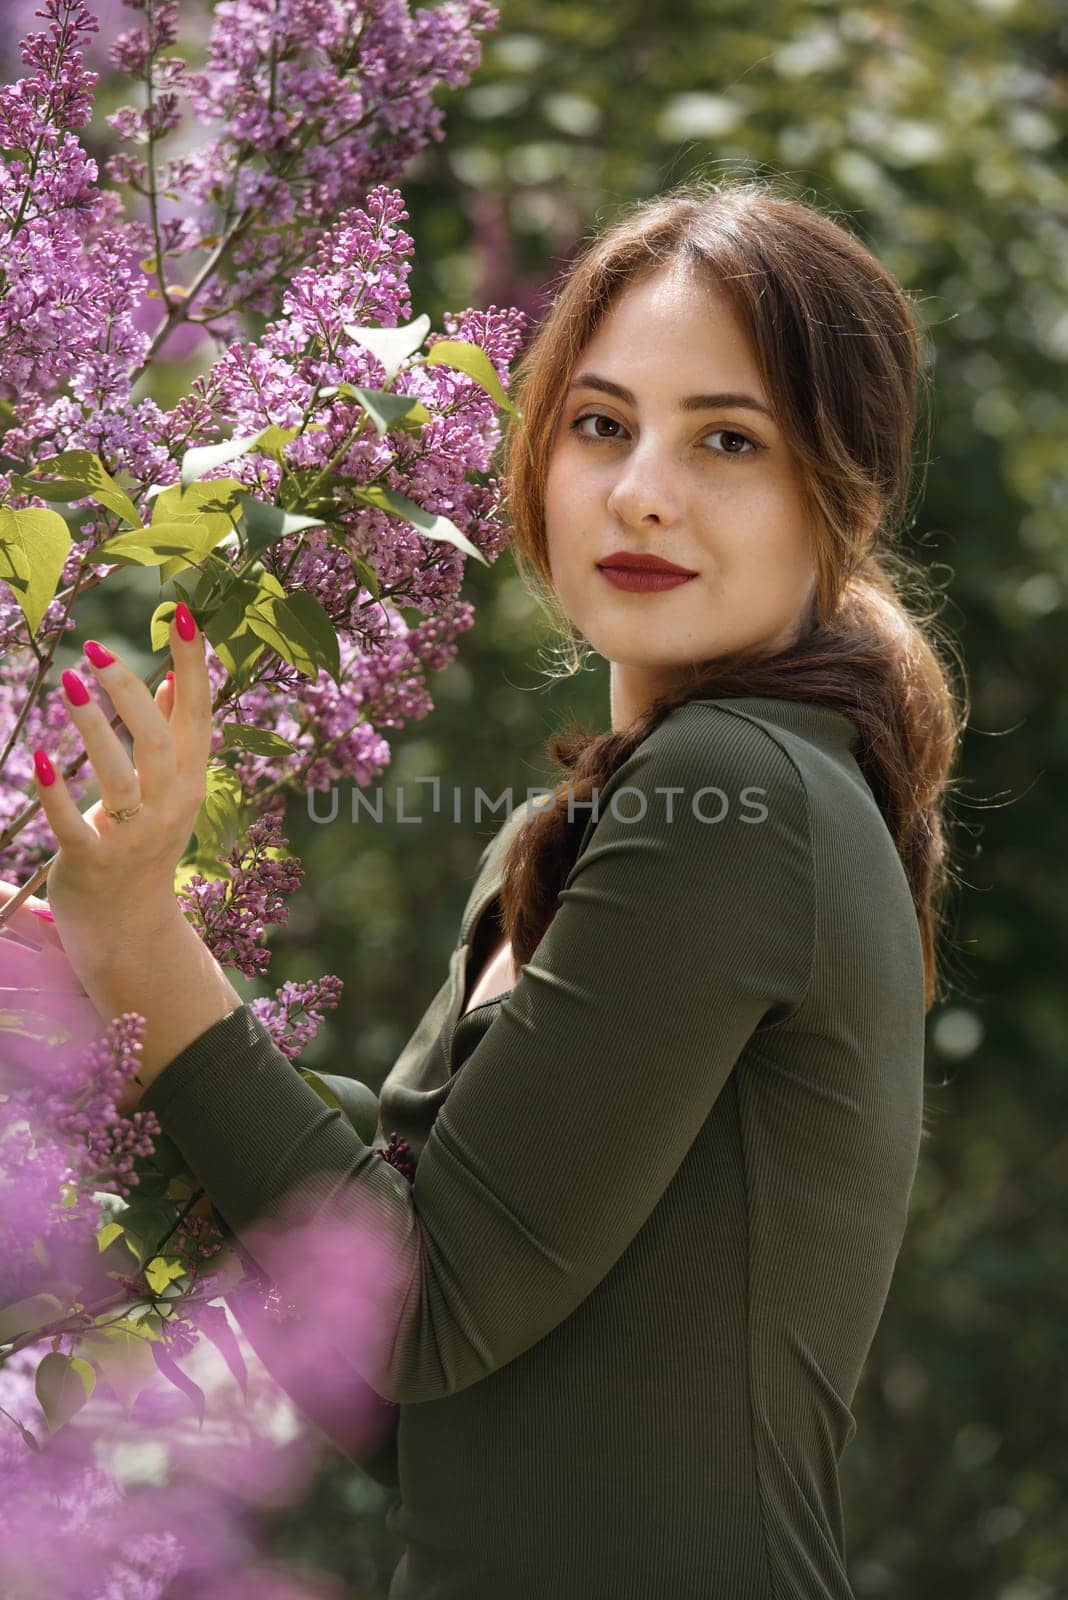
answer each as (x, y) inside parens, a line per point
(671, 321)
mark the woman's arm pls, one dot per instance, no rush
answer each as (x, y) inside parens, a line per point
(166, 972)
(673, 943)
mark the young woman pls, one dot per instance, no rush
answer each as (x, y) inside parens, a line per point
(665, 1110)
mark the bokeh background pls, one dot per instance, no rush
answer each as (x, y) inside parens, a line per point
(937, 134)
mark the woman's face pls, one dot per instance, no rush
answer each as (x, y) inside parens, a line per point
(709, 486)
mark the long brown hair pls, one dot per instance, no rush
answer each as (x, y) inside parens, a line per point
(837, 349)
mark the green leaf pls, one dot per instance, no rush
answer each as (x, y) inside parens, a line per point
(209, 510)
(27, 1437)
(206, 580)
(228, 628)
(265, 524)
(167, 1158)
(173, 545)
(200, 862)
(34, 545)
(26, 1316)
(58, 490)
(203, 458)
(301, 491)
(87, 475)
(108, 1234)
(391, 346)
(159, 624)
(429, 523)
(145, 1223)
(473, 360)
(387, 410)
(214, 1324)
(151, 1186)
(162, 1271)
(218, 497)
(358, 1103)
(216, 826)
(273, 439)
(299, 629)
(261, 741)
(366, 574)
(63, 1385)
(174, 1374)
(122, 1354)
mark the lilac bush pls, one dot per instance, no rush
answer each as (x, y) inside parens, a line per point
(318, 481)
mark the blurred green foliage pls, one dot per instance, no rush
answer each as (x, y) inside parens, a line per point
(937, 134)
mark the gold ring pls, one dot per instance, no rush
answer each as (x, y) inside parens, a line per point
(122, 816)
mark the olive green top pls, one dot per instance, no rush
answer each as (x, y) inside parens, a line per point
(661, 1183)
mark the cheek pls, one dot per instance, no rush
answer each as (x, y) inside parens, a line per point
(557, 488)
(561, 524)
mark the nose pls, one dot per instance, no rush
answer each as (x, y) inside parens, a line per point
(642, 488)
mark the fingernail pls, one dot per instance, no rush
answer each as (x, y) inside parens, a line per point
(77, 693)
(170, 677)
(183, 618)
(46, 772)
(43, 911)
(97, 654)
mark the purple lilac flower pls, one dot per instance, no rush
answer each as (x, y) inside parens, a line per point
(65, 1145)
(294, 1016)
(231, 914)
(68, 284)
(315, 101)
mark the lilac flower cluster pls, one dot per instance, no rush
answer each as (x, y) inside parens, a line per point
(77, 1523)
(65, 1527)
(294, 1016)
(65, 1145)
(231, 913)
(68, 1525)
(354, 274)
(67, 300)
(314, 100)
(46, 724)
(80, 1107)
(312, 108)
(397, 1152)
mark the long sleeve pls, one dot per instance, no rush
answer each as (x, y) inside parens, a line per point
(678, 938)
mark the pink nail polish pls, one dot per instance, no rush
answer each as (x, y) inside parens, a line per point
(183, 618)
(170, 677)
(43, 911)
(46, 772)
(77, 693)
(97, 654)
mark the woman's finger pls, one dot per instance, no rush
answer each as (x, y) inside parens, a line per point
(150, 775)
(118, 778)
(191, 714)
(165, 696)
(70, 828)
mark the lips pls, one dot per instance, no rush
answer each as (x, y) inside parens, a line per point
(623, 561)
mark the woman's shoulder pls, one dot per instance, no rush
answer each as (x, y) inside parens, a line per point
(756, 720)
(794, 745)
(704, 742)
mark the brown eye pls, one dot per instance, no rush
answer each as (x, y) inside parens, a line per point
(594, 416)
(731, 433)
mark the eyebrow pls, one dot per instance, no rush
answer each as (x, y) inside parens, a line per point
(691, 402)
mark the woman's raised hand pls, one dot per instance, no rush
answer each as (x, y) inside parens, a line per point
(112, 882)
